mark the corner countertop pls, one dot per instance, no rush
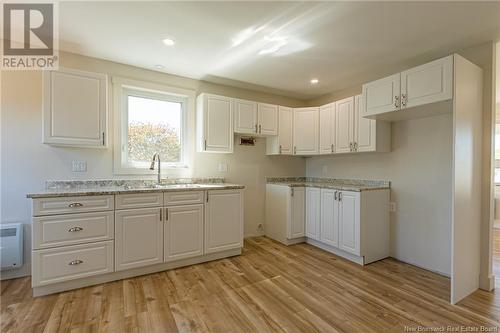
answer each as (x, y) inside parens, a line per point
(356, 185)
(111, 187)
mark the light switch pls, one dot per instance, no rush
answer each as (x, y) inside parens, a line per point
(79, 166)
(222, 167)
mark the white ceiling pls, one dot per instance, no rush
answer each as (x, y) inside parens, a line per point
(340, 43)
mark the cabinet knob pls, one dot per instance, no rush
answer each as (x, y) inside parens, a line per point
(403, 100)
(75, 229)
(396, 101)
(75, 262)
(75, 205)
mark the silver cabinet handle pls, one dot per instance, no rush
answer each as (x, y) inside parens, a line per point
(355, 146)
(336, 192)
(295, 150)
(332, 147)
(75, 204)
(205, 145)
(166, 213)
(75, 229)
(292, 192)
(396, 101)
(75, 262)
(340, 196)
(161, 213)
(280, 149)
(350, 146)
(403, 100)
(256, 128)
(260, 128)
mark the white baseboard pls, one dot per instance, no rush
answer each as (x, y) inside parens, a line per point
(16, 273)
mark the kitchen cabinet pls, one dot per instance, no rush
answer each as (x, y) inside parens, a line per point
(296, 226)
(306, 131)
(329, 217)
(214, 124)
(313, 204)
(223, 221)
(393, 97)
(327, 130)
(349, 221)
(268, 119)
(344, 125)
(282, 144)
(365, 130)
(75, 108)
(245, 117)
(138, 238)
(183, 232)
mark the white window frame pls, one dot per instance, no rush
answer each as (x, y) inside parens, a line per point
(122, 88)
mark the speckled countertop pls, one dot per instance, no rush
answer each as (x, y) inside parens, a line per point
(108, 187)
(337, 184)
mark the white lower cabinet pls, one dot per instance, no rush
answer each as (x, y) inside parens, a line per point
(183, 232)
(313, 213)
(223, 221)
(329, 217)
(138, 238)
(296, 226)
(348, 221)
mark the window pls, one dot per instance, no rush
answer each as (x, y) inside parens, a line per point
(150, 121)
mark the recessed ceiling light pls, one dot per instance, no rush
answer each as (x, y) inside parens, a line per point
(159, 66)
(168, 41)
(314, 81)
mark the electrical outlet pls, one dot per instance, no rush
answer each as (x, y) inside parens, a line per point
(392, 207)
(222, 167)
(260, 226)
(79, 166)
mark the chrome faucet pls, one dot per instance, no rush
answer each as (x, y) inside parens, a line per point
(152, 167)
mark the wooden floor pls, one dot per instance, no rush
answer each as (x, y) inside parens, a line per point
(270, 288)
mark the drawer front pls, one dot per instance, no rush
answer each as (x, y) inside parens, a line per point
(183, 198)
(141, 200)
(65, 205)
(71, 262)
(70, 229)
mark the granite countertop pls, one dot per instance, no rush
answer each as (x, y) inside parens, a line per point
(109, 187)
(356, 185)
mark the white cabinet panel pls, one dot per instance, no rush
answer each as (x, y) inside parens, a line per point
(428, 83)
(313, 204)
(215, 124)
(245, 117)
(78, 204)
(138, 238)
(183, 232)
(296, 227)
(183, 197)
(349, 222)
(75, 108)
(382, 95)
(139, 200)
(327, 129)
(223, 221)
(344, 120)
(364, 129)
(329, 230)
(282, 144)
(268, 119)
(306, 131)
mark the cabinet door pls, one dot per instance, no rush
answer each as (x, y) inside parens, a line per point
(428, 83)
(138, 238)
(75, 108)
(349, 231)
(296, 227)
(218, 124)
(364, 128)
(183, 232)
(382, 96)
(306, 131)
(327, 129)
(285, 130)
(344, 121)
(268, 119)
(245, 116)
(223, 221)
(313, 204)
(329, 225)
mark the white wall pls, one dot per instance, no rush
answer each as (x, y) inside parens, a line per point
(419, 168)
(27, 163)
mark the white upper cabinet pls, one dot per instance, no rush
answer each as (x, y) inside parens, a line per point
(268, 119)
(75, 108)
(383, 95)
(306, 131)
(313, 213)
(344, 125)
(245, 116)
(283, 142)
(214, 124)
(364, 129)
(327, 129)
(428, 83)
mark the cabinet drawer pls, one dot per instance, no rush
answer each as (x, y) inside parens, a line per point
(140, 200)
(64, 205)
(183, 198)
(70, 229)
(71, 262)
